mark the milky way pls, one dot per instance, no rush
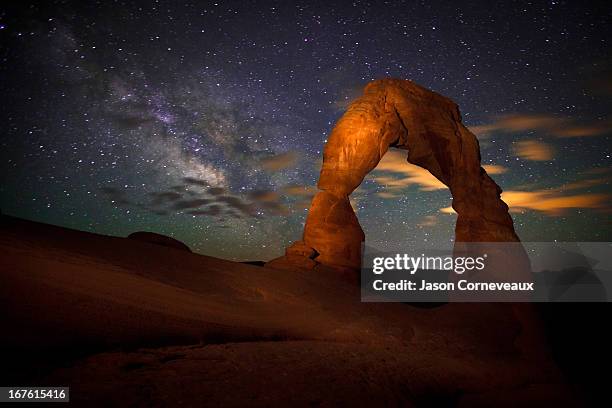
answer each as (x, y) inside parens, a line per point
(206, 121)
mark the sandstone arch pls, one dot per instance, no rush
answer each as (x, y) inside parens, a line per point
(397, 113)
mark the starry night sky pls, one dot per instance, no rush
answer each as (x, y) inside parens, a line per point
(206, 121)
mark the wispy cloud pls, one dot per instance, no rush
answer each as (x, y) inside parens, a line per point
(549, 124)
(428, 221)
(552, 203)
(555, 201)
(395, 173)
(190, 204)
(394, 163)
(264, 196)
(299, 190)
(534, 150)
(347, 96)
(196, 199)
(302, 195)
(494, 169)
(279, 162)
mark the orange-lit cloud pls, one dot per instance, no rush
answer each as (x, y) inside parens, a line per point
(517, 123)
(302, 195)
(264, 196)
(428, 221)
(551, 202)
(279, 162)
(494, 169)
(584, 130)
(554, 125)
(394, 161)
(582, 184)
(556, 201)
(299, 190)
(347, 96)
(388, 194)
(448, 210)
(534, 150)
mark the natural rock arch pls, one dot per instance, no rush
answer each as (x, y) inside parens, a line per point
(397, 113)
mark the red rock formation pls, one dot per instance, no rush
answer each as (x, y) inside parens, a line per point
(397, 113)
(158, 239)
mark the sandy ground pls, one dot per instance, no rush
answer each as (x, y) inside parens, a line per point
(131, 323)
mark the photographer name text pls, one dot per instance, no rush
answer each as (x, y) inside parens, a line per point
(461, 285)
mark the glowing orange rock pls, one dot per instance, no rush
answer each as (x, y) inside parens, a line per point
(398, 113)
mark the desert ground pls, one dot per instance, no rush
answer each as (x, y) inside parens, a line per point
(126, 322)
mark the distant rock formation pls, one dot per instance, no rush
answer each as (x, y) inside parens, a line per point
(396, 113)
(158, 239)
